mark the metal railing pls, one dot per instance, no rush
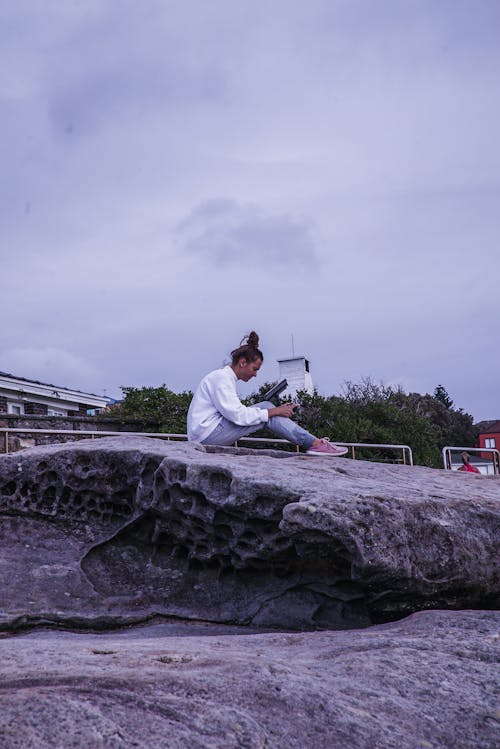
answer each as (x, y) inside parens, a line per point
(407, 455)
(405, 449)
(446, 453)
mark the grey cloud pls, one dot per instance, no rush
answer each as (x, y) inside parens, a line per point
(227, 233)
(88, 99)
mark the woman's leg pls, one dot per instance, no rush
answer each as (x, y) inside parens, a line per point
(227, 433)
(288, 429)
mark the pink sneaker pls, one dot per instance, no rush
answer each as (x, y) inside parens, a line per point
(327, 448)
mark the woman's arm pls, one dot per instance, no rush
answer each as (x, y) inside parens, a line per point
(226, 401)
(286, 409)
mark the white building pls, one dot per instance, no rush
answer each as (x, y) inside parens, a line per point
(20, 396)
(295, 369)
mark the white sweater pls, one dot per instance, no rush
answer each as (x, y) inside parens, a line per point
(216, 398)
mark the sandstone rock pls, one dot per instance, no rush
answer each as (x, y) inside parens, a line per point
(116, 530)
(427, 682)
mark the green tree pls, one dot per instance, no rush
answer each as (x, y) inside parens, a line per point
(441, 395)
(453, 426)
(378, 413)
(366, 414)
(157, 405)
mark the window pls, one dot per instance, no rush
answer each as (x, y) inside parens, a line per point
(15, 408)
(56, 412)
(490, 442)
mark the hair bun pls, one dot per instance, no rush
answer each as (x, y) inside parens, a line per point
(253, 339)
(248, 349)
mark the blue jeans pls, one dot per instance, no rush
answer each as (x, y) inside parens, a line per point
(227, 433)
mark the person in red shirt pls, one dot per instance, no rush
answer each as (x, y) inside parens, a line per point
(467, 466)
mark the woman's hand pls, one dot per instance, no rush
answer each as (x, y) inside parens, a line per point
(286, 409)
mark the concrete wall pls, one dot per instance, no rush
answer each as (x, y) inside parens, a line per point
(79, 423)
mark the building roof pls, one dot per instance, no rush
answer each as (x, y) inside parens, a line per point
(489, 427)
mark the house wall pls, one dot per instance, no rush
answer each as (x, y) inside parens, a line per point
(38, 408)
(482, 442)
(490, 435)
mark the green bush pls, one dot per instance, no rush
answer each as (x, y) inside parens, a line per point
(160, 406)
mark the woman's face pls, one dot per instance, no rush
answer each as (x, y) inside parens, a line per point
(245, 370)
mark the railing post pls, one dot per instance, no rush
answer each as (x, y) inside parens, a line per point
(6, 442)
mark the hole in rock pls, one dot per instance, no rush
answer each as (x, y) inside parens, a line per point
(267, 506)
(180, 552)
(178, 495)
(185, 504)
(177, 475)
(196, 524)
(264, 528)
(219, 484)
(9, 489)
(249, 537)
(47, 501)
(65, 496)
(224, 531)
(49, 493)
(224, 518)
(148, 472)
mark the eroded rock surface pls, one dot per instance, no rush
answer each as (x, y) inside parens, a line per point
(119, 529)
(427, 682)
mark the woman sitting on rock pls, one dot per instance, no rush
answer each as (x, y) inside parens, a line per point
(216, 415)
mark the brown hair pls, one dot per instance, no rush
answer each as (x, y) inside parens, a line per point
(248, 349)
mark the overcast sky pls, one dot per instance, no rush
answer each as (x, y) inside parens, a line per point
(176, 173)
